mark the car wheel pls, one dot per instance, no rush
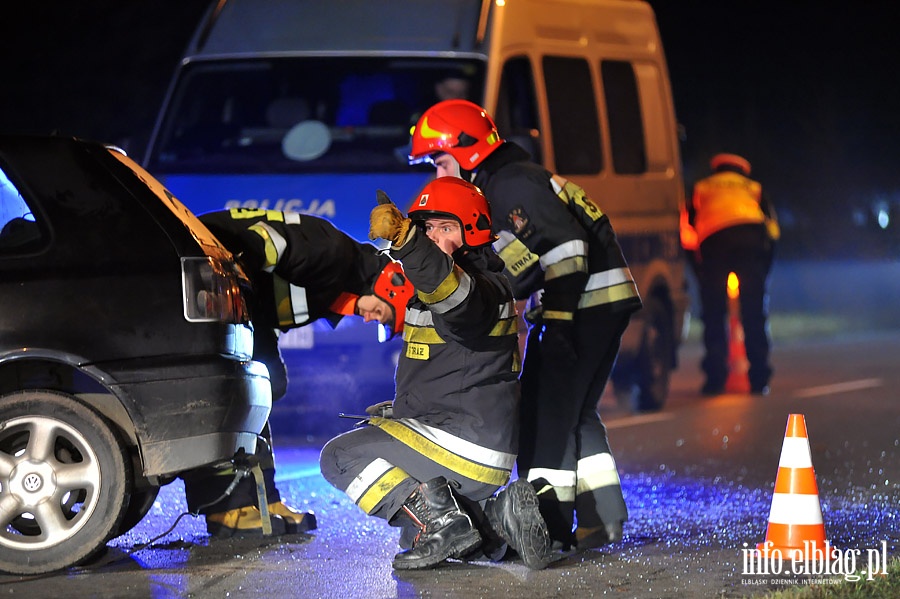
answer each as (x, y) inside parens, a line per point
(64, 482)
(140, 504)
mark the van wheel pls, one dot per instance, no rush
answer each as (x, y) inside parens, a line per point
(641, 383)
(64, 482)
(653, 365)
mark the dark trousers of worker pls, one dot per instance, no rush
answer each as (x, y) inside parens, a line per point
(563, 447)
(746, 251)
(344, 458)
(204, 485)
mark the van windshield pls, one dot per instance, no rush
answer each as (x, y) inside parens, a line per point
(293, 115)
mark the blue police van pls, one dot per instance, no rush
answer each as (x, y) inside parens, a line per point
(303, 105)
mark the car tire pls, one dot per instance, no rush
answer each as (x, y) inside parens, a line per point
(140, 503)
(65, 479)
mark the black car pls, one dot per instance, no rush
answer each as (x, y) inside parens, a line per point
(125, 349)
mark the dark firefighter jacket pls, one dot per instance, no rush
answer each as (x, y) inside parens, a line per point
(457, 386)
(553, 237)
(299, 264)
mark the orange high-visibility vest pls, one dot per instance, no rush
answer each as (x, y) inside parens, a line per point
(724, 200)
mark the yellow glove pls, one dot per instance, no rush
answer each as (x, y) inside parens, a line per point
(387, 222)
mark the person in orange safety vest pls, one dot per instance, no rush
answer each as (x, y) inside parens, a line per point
(730, 226)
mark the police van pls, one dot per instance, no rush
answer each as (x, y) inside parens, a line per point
(304, 105)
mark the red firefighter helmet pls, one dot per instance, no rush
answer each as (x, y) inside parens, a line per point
(452, 197)
(458, 127)
(392, 286)
(732, 160)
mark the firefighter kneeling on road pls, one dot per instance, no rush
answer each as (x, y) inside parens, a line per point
(302, 268)
(434, 465)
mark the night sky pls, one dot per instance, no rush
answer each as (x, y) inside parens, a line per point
(807, 91)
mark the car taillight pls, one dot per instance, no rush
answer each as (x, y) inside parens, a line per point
(212, 292)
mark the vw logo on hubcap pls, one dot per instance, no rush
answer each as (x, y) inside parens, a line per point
(32, 482)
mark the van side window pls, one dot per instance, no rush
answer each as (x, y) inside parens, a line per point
(18, 230)
(573, 115)
(623, 106)
(516, 114)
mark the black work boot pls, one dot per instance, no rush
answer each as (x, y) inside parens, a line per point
(514, 514)
(444, 529)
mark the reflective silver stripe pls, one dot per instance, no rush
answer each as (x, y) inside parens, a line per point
(507, 310)
(557, 478)
(292, 218)
(275, 244)
(608, 278)
(560, 482)
(557, 188)
(569, 249)
(597, 471)
(504, 238)
(461, 447)
(299, 305)
(418, 318)
(365, 479)
(458, 296)
(424, 318)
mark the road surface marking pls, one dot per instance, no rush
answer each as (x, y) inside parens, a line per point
(839, 388)
(636, 420)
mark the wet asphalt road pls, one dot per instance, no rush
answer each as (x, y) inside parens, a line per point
(698, 479)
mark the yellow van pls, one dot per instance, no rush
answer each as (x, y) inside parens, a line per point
(306, 105)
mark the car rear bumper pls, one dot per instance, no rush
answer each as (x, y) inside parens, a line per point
(197, 412)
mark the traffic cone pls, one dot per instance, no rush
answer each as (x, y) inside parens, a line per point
(738, 380)
(795, 520)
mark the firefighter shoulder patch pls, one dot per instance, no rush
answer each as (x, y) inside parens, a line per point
(519, 223)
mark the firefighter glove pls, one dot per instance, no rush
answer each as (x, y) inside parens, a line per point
(387, 222)
(385, 409)
(558, 341)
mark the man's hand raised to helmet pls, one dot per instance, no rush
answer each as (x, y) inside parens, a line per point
(387, 222)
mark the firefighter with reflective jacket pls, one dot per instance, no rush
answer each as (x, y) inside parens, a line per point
(730, 226)
(561, 253)
(433, 466)
(301, 268)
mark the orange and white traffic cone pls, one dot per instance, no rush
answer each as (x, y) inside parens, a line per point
(738, 380)
(795, 528)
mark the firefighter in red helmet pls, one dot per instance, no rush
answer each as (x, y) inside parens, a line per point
(730, 226)
(302, 269)
(561, 254)
(433, 467)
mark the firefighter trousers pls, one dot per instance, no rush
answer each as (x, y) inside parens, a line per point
(563, 447)
(746, 251)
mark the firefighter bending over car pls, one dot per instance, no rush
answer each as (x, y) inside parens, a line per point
(562, 255)
(301, 268)
(433, 466)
